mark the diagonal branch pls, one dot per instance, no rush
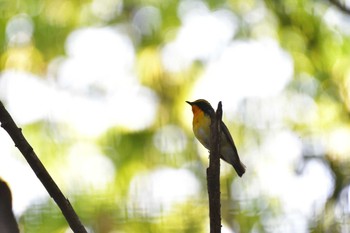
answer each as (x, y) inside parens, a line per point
(27, 151)
(213, 172)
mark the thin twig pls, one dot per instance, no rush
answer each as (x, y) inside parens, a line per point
(213, 172)
(27, 151)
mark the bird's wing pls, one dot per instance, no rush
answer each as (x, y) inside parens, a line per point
(234, 161)
(228, 137)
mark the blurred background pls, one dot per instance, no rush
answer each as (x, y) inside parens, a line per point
(99, 88)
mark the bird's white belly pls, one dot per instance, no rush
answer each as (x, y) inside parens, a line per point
(203, 136)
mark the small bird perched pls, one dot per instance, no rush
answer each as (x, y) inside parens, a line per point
(203, 112)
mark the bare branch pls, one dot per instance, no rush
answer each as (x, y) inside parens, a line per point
(27, 151)
(213, 172)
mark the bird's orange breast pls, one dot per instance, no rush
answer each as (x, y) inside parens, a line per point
(201, 126)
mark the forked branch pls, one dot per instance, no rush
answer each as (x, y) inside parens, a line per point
(213, 172)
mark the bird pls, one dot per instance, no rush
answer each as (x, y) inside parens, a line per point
(203, 114)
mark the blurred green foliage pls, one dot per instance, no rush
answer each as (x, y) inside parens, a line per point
(321, 71)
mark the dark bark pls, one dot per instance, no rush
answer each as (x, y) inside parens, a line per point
(213, 173)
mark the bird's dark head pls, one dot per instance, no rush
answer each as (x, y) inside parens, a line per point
(202, 105)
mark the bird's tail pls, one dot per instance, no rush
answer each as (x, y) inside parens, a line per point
(239, 167)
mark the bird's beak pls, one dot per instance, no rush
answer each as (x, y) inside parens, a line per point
(190, 103)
